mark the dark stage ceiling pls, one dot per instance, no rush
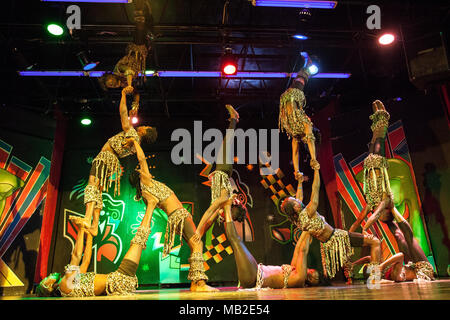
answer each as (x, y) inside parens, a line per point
(191, 35)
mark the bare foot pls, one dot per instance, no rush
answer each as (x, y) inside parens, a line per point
(233, 113)
(93, 230)
(201, 286)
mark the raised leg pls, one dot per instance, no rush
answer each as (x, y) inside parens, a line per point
(375, 249)
(198, 281)
(138, 244)
(360, 218)
(246, 264)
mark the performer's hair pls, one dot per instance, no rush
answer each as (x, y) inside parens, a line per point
(42, 291)
(135, 181)
(238, 211)
(310, 280)
(150, 136)
(288, 208)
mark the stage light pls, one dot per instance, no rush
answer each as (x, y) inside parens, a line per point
(229, 69)
(134, 120)
(55, 29)
(300, 37)
(86, 63)
(85, 121)
(228, 63)
(313, 69)
(295, 4)
(386, 39)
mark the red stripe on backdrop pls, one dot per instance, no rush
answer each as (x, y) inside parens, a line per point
(26, 215)
(325, 158)
(446, 102)
(52, 197)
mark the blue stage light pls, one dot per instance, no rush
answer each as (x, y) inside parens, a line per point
(300, 37)
(295, 4)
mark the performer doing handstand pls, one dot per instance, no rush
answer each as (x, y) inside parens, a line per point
(293, 119)
(155, 193)
(106, 165)
(221, 189)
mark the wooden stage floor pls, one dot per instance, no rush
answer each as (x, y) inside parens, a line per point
(436, 290)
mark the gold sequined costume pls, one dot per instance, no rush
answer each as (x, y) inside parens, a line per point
(376, 180)
(197, 268)
(158, 189)
(106, 164)
(293, 119)
(83, 286)
(118, 283)
(376, 177)
(424, 270)
(336, 250)
(287, 269)
(175, 225)
(219, 180)
(133, 63)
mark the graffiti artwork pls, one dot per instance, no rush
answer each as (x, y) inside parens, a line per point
(23, 189)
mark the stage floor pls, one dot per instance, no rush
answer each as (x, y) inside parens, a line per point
(436, 290)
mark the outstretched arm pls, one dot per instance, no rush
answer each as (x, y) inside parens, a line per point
(360, 218)
(123, 110)
(300, 257)
(300, 178)
(295, 155)
(311, 208)
(382, 207)
(87, 254)
(141, 157)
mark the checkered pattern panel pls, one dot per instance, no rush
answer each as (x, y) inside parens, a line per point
(275, 184)
(219, 249)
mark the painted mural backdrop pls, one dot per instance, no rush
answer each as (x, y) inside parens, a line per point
(23, 189)
(349, 177)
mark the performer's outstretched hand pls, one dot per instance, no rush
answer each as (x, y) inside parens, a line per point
(133, 112)
(315, 165)
(128, 90)
(299, 176)
(233, 113)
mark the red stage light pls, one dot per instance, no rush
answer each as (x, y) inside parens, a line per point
(386, 39)
(229, 69)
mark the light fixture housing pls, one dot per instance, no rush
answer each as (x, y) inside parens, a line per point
(86, 63)
(295, 4)
(228, 63)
